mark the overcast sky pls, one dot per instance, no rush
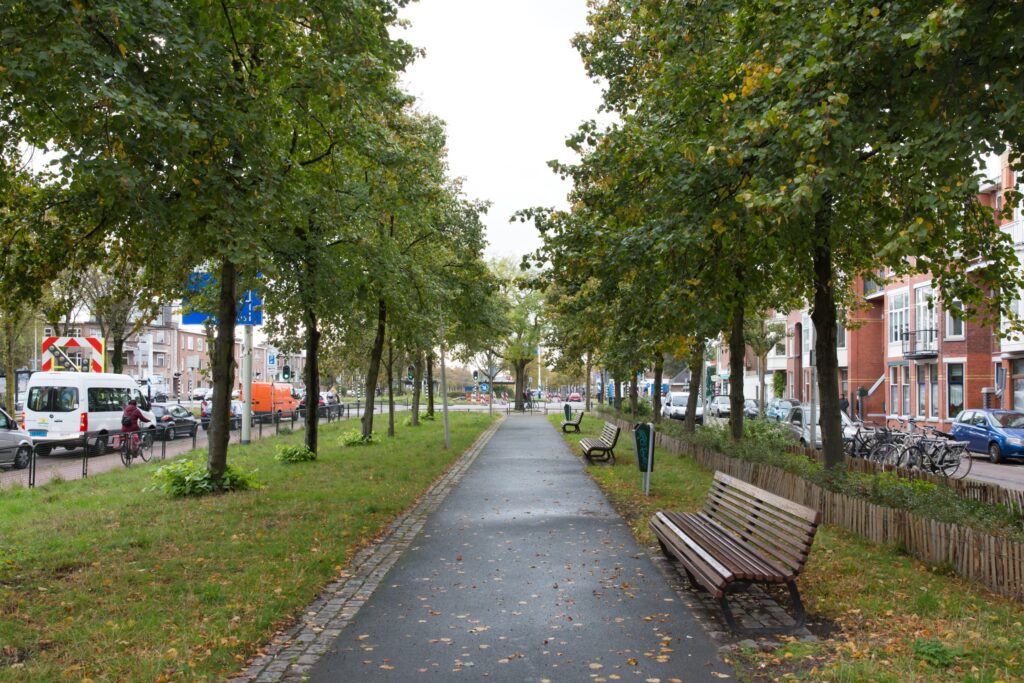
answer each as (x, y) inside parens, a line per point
(511, 88)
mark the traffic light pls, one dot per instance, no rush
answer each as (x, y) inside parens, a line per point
(476, 375)
(411, 371)
(286, 372)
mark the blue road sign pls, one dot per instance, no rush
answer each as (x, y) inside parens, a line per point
(250, 308)
(485, 387)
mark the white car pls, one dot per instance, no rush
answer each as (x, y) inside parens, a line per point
(62, 407)
(674, 408)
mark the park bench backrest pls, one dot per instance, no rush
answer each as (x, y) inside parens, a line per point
(779, 529)
(610, 434)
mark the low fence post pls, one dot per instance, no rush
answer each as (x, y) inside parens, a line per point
(195, 436)
(85, 456)
(163, 448)
(32, 468)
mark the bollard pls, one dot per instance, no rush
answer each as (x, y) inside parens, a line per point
(32, 469)
(277, 423)
(163, 448)
(261, 427)
(195, 435)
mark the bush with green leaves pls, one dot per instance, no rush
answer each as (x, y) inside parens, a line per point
(293, 454)
(935, 652)
(188, 477)
(354, 437)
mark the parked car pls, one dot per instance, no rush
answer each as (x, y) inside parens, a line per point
(15, 443)
(999, 433)
(320, 403)
(751, 409)
(674, 407)
(62, 406)
(173, 420)
(199, 393)
(800, 427)
(719, 406)
(575, 397)
(236, 414)
(778, 408)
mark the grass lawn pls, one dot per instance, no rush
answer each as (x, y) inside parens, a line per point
(103, 579)
(898, 619)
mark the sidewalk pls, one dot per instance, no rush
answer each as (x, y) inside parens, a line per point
(524, 573)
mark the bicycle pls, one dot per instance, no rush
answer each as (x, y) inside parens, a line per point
(134, 445)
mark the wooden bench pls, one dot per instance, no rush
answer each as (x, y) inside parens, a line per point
(575, 424)
(744, 535)
(603, 447)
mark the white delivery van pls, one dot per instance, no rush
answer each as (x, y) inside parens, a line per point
(62, 406)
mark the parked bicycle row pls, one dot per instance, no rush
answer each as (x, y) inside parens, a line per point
(904, 443)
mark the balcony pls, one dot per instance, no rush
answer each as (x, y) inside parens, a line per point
(920, 344)
(1015, 230)
(871, 288)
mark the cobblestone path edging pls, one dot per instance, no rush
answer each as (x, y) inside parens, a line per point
(291, 654)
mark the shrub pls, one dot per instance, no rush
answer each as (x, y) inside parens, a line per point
(935, 652)
(354, 437)
(192, 478)
(291, 454)
(282, 431)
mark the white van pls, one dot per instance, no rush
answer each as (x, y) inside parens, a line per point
(62, 406)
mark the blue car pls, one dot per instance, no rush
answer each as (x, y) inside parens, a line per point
(1000, 433)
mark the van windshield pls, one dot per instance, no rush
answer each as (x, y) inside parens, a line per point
(52, 399)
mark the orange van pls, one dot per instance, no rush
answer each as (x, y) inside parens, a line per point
(268, 398)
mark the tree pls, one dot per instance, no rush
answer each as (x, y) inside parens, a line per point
(762, 336)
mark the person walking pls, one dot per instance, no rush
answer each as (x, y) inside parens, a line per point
(844, 404)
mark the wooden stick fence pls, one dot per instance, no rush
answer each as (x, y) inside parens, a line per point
(993, 561)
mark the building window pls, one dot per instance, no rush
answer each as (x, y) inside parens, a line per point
(924, 314)
(844, 381)
(922, 395)
(933, 372)
(840, 335)
(806, 341)
(160, 337)
(906, 390)
(158, 360)
(190, 343)
(780, 348)
(199, 344)
(1017, 368)
(955, 321)
(894, 390)
(955, 389)
(897, 316)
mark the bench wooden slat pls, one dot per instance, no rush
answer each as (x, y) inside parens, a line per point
(780, 517)
(730, 551)
(812, 516)
(759, 528)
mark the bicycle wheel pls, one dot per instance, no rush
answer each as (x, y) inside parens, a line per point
(126, 452)
(145, 447)
(959, 454)
(882, 452)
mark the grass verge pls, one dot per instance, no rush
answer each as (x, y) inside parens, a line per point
(105, 579)
(899, 620)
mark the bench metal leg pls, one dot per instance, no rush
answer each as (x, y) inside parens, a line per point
(800, 615)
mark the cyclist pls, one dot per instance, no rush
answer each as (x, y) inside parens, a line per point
(130, 419)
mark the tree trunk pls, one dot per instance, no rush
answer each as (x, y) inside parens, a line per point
(8, 334)
(634, 395)
(312, 380)
(656, 392)
(117, 356)
(586, 384)
(604, 387)
(223, 371)
(391, 391)
(520, 368)
(417, 381)
(696, 383)
(617, 398)
(824, 316)
(761, 362)
(737, 349)
(374, 370)
(430, 385)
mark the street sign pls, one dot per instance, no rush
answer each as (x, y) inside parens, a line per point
(250, 308)
(271, 360)
(485, 387)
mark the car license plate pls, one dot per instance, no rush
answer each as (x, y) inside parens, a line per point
(37, 432)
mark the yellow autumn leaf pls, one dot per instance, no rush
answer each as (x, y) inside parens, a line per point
(122, 49)
(874, 11)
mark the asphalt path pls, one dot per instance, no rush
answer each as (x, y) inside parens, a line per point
(525, 573)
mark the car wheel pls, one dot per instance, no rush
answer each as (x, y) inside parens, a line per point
(43, 450)
(98, 448)
(22, 457)
(995, 453)
(169, 434)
